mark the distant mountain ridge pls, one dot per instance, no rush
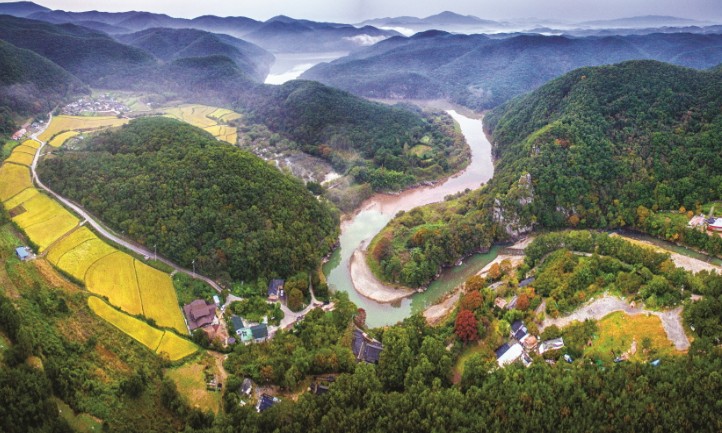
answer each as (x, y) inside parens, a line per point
(481, 72)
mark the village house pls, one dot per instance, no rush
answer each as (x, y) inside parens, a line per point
(246, 387)
(23, 253)
(366, 348)
(508, 353)
(500, 303)
(266, 402)
(259, 333)
(199, 313)
(553, 344)
(275, 290)
(19, 134)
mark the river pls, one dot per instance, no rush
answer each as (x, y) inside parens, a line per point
(377, 211)
(289, 66)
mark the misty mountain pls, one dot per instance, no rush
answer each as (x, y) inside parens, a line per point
(31, 84)
(21, 9)
(481, 72)
(85, 53)
(642, 22)
(439, 21)
(173, 44)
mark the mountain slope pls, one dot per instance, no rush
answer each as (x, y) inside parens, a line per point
(31, 84)
(85, 53)
(172, 44)
(21, 9)
(480, 73)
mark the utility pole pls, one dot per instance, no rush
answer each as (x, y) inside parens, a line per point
(194, 268)
(155, 252)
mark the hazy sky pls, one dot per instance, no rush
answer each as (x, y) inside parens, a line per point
(359, 10)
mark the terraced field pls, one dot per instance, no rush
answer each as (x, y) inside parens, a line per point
(21, 157)
(158, 296)
(114, 277)
(79, 123)
(156, 340)
(60, 139)
(207, 118)
(14, 178)
(44, 220)
(76, 253)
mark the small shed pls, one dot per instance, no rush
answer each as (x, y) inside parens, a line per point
(23, 253)
(246, 386)
(275, 290)
(266, 402)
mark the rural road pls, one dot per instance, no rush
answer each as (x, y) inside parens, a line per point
(106, 233)
(597, 309)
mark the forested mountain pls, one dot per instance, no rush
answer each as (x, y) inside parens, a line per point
(30, 83)
(87, 54)
(600, 147)
(21, 9)
(481, 72)
(169, 184)
(172, 44)
(351, 132)
(446, 20)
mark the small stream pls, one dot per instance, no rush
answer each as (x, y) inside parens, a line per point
(377, 211)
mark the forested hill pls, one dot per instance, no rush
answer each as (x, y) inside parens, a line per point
(172, 44)
(166, 183)
(601, 147)
(30, 83)
(481, 72)
(600, 142)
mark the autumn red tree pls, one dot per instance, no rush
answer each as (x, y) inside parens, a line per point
(522, 302)
(360, 318)
(494, 272)
(466, 326)
(475, 282)
(472, 300)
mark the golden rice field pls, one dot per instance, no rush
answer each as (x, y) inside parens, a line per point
(60, 139)
(21, 198)
(25, 149)
(207, 118)
(76, 253)
(154, 339)
(175, 347)
(158, 295)
(13, 179)
(114, 277)
(139, 330)
(44, 220)
(31, 143)
(20, 157)
(79, 123)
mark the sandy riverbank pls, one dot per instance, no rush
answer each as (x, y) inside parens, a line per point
(366, 283)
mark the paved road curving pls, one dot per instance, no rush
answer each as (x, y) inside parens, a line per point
(597, 309)
(103, 231)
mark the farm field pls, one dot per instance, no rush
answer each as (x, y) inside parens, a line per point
(139, 330)
(76, 253)
(158, 296)
(152, 338)
(207, 118)
(13, 179)
(618, 330)
(79, 123)
(21, 157)
(23, 148)
(44, 220)
(190, 380)
(175, 347)
(31, 143)
(114, 277)
(21, 198)
(60, 139)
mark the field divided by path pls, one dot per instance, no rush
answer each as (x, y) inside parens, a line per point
(78, 123)
(211, 119)
(154, 339)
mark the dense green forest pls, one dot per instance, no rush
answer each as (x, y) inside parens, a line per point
(481, 72)
(374, 141)
(603, 147)
(166, 183)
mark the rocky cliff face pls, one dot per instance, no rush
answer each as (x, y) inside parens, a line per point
(513, 210)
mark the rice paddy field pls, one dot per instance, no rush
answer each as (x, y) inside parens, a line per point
(60, 139)
(20, 157)
(76, 253)
(31, 143)
(14, 178)
(154, 339)
(175, 347)
(21, 198)
(79, 123)
(158, 296)
(114, 277)
(44, 220)
(207, 118)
